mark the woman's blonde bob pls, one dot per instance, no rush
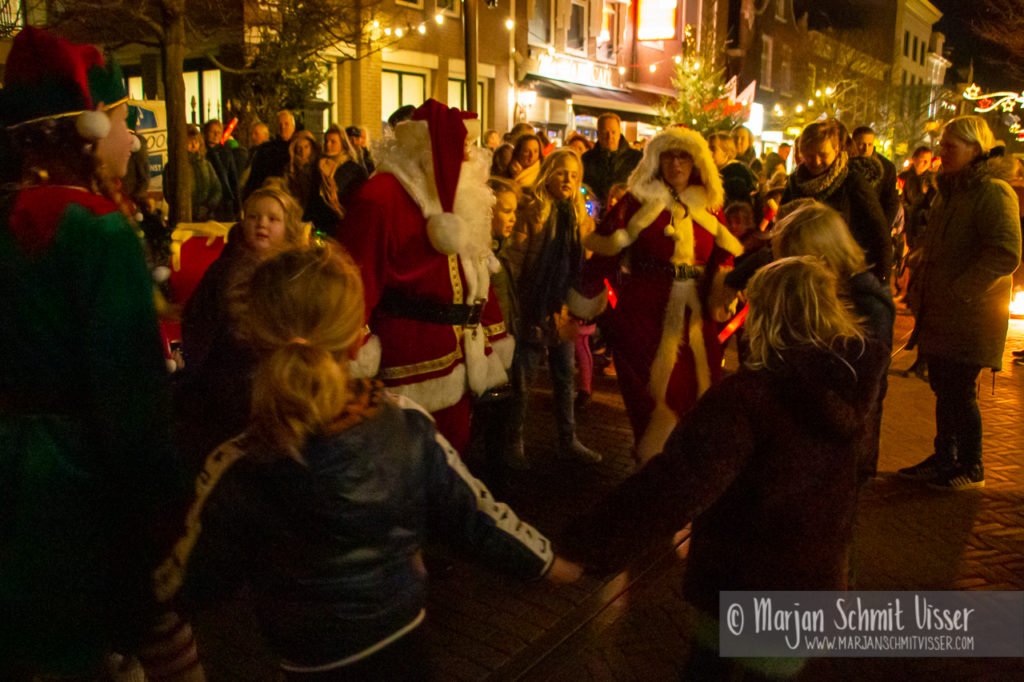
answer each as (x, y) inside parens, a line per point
(304, 317)
(794, 303)
(972, 129)
(815, 229)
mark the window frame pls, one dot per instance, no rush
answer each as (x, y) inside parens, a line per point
(767, 45)
(584, 37)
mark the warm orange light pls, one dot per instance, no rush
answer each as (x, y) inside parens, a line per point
(1017, 304)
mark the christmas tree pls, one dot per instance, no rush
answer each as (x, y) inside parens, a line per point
(703, 103)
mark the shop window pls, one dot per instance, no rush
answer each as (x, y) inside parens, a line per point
(766, 62)
(135, 87)
(540, 23)
(576, 38)
(11, 19)
(449, 7)
(786, 69)
(399, 88)
(457, 96)
(608, 38)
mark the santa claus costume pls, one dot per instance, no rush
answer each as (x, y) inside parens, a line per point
(420, 229)
(665, 252)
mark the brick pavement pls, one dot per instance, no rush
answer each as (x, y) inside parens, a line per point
(483, 626)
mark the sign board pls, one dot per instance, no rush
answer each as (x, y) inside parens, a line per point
(656, 19)
(152, 124)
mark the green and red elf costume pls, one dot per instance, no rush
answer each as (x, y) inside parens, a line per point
(85, 463)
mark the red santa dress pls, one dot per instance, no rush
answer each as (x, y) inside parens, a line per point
(665, 256)
(426, 271)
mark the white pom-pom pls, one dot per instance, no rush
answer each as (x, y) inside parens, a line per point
(172, 366)
(92, 125)
(161, 273)
(669, 231)
(136, 143)
(620, 238)
(493, 264)
(447, 233)
(138, 216)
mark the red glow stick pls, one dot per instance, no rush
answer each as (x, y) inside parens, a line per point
(230, 129)
(733, 325)
(612, 298)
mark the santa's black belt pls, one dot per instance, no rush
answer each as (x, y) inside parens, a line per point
(397, 304)
(682, 272)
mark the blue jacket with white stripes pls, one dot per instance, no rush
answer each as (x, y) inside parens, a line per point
(331, 545)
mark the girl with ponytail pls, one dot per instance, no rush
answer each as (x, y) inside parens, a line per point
(323, 504)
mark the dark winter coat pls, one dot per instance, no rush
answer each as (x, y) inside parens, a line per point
(918, 193)
(223, 162)
(212, 392)
(765, 466)
(603, 168)
(267, 160)
(851, 195)
(331, 546)
(872, 300)
(348, 178)
(970, 248)
(888, 197)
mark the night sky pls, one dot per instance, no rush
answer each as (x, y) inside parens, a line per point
(963, 44)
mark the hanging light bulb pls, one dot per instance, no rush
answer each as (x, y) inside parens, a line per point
(422, 29)
(829, 90)
(622, 70)
(387, 31)
(696, 65)
(439, 18)
(654, 67)
(398, 32)
(509, 24)
(810, 102)
(799, 108)
(678, 59)
(376, 24)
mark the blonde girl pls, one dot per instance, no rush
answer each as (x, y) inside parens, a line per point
(763, 465)
(549, 256)
(212, 393)
(324, 502)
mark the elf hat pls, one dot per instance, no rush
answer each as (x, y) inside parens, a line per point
(46, 78)
(448, 128)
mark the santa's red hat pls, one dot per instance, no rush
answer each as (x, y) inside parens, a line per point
(447, 129)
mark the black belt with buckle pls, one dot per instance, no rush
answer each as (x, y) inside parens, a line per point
(397, 304)
(679, 272)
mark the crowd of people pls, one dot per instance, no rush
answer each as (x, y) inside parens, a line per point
(374, 318)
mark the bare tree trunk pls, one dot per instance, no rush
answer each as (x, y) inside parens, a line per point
(176, 187)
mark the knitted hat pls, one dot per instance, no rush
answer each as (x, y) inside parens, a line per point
(46, 77)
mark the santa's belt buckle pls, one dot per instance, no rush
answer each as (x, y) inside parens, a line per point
(475, 311)
(687, 271)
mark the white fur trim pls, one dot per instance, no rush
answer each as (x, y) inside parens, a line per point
(607, 244)
(447, 233)
(93, 125)
(587, 308)
(646, 181)
(367, 362)
(493, 264)
(505, 349)
(682, 297)
(437, 393)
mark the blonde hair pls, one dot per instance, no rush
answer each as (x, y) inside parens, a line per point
(972, 129)
(553, 162)
(814, 229)
(303, 314)
(794, 303)
(724, 142)
(294, 229)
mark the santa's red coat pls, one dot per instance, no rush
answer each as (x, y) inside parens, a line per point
(386, 233)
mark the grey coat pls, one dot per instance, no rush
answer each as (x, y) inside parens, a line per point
(971, 247)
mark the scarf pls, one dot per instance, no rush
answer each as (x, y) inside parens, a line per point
(558, 265)
(528, 175)
(822, 186)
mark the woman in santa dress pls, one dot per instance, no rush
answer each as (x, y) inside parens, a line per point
(665, 252)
